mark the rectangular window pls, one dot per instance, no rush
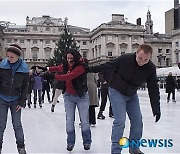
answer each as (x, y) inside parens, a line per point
(34, 28)
(123, 37)
(84, 43)
(47, 42)
(167, 50)
(110, 38)
(47, 29)
(84, 54)
(34, 41)
(21, 41)
(159, 50)
(8, 40)
(177, 44)
(109, 53)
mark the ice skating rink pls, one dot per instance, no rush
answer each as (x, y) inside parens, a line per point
(45, 131)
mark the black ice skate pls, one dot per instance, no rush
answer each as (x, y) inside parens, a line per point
(21, 150)
(52, 108)
(100, 115)
(135, 151)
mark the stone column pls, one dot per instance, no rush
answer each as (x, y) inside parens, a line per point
(116, 46)
(130, 43)
(103, 45)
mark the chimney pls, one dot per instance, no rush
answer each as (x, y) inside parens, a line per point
(138, 21)
(117, 17)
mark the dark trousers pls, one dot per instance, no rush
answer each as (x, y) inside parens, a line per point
(173, 95)
(104, 96)
(43, 93)
(92, 114)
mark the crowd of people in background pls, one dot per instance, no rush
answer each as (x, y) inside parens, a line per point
(83, 87)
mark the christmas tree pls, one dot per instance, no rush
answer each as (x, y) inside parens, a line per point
(65, 42)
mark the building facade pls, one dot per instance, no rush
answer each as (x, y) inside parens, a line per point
(172, 27)
(39, 36)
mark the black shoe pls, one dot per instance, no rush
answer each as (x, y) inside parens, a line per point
(135, 151)
(70, 147)
(87, 146)
(174, 101)
(0, 151)
(21, 151)
(40, 105)
(111, 115)
(100, 115)
(34, 105)
(29, 105)
(52, 108)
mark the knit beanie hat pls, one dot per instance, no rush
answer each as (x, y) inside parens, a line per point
(14, 48)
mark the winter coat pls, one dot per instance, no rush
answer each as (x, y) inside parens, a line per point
(46, 81)
(170, 84)
(30, 86)
(92, 89)
(38, 80)
(16, 85)
(178, 84)
(127, 76)
(79, 83)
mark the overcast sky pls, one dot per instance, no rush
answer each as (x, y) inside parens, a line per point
(87, 14)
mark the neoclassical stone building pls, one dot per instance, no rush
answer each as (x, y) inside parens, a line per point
(40, 34)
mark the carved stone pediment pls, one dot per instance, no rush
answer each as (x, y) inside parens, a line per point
(48, 22)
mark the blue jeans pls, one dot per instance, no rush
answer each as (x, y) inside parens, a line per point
(70, 103)
(120, 105)
(16, 121)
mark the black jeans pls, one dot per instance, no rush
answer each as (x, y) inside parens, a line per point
(173, 95)
(104, 96)
(43, 93)
(92, 114)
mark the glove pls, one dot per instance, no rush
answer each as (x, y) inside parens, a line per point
(21, 103)
(157, 115)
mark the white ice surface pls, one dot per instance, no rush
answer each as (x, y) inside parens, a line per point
(45, 131)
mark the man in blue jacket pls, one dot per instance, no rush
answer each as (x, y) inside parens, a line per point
(129, 72)
(14, 79)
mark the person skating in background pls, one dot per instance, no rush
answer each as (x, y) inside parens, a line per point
(30, 86)
(178, 83)
(46, 86)
(58, 87)
(93, 96)
(130, 71)
(170, 87)
(75, 95)
(37, 86)
(104, 94)
(14, 77)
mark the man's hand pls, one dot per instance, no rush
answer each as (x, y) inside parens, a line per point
(157, 115)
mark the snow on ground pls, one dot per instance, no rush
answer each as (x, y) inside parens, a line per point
(45, 131)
